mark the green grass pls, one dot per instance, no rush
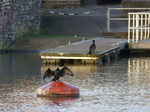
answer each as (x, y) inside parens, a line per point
(40, 35)
(47, 14)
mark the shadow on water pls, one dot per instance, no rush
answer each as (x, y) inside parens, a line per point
(120, 85)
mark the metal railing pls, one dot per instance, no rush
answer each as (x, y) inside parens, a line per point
(138, 26)
(109, 18)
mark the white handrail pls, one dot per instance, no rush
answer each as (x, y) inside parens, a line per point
(109, 18)
(138, 26)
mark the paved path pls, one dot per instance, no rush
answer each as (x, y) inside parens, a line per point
(89, 20)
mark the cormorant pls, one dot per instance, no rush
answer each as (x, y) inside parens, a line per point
(57, 73)
(92, 48)
(43, 1)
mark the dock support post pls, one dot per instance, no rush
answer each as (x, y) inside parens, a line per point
(88, 61)
(57, 61)
(115, 55)
(51, 61)
(106, 58)
(100, 60)
(44, 61)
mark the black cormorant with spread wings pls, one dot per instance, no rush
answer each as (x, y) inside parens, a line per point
(57, 73)
(92, 48)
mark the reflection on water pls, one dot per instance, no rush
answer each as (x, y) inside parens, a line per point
(118, 86)
(136, 75)
(55, 100)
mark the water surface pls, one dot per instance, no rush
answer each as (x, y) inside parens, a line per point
(121, 86)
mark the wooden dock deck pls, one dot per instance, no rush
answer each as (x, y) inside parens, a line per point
(141, 48)
(142, 44)
(79, 51)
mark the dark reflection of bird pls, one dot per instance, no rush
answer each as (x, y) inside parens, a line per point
(92, 48)
(57, 73)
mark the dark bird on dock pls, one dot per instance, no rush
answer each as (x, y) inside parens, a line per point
(92, 48)
(43, 1)
(57, 73)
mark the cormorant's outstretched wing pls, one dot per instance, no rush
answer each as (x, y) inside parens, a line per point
(66, 71)
(48, 73)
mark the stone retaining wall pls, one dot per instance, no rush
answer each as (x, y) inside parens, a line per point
(135, 4)
(18, 18)
(47, 4)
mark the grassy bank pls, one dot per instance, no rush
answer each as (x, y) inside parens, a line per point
(44, 42)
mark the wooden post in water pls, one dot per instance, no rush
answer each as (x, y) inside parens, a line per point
(106, 58)
(114, 55)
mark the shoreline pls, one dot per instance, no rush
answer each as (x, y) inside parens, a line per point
(41, 44)
(74, 30)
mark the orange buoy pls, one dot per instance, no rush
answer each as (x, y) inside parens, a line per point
(58, 89)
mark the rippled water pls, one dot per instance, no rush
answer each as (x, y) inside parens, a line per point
(122, 86)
